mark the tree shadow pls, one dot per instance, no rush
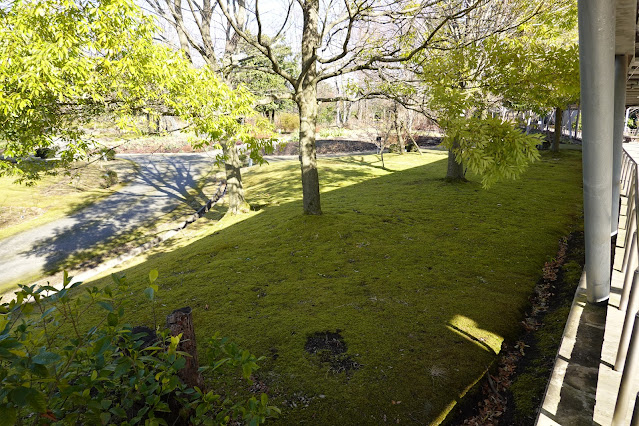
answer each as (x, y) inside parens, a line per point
(423, 278)
(162, 185)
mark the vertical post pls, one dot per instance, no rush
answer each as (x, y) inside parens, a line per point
(625, 123)
(621, 67)
(596, 53)
(627, 378)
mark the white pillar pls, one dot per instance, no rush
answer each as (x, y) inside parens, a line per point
(621, 68)
(596, 66)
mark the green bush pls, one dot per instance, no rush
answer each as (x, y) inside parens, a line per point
(45, 152)
(331, 132)
(52, 371)
(109, 178)
(288, 122)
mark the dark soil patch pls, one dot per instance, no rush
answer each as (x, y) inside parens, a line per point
(328, 147)
(330, 348)
(511, 393)
(428, 141)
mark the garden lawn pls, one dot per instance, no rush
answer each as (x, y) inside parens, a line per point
(422, 279)
(24, 207)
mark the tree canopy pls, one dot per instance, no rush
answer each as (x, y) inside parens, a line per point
(63, 63)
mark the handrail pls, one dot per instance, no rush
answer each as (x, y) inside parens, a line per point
(627, 360)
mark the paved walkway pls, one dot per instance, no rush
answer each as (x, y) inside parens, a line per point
(583, 386)
(161, 185)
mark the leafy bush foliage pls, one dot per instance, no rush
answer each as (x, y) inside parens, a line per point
(109, 178)
(52, 371)
(289, 122)
(490, 147)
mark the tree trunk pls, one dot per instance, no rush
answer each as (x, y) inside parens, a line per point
(398, 130)
(347, 105)
(569, 123)
(234, 187)
(455, 171)
(559, 113)
(577, 122)
(179, 27)
(306, 98)
(178, 322)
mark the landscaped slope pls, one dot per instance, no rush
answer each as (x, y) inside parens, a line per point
(422, 279)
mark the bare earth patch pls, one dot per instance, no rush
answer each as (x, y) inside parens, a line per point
(13, 215)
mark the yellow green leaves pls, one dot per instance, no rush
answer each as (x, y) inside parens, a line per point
(490, 147)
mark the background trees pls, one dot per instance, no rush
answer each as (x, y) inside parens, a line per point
(539, 69)
(334, 39)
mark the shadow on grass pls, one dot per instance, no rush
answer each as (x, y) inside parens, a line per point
(162, 185)
(392, 264)
(359, 160)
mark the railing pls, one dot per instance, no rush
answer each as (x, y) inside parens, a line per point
(627, 361)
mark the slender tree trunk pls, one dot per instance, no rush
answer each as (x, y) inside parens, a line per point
(234, 187)
(577, 121)
(409, 132)
(398, 130)
(306, 98)
(559, 113)
(184, 41)
(455, 171)
(569, 123)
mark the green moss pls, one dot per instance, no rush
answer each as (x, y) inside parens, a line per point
(526, 392)
(529, 386)
(423, 278)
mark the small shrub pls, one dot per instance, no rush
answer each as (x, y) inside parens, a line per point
(107, 154)
(109, 178)
(331, 132)
(45, 152)
(51, 370)
(288, 122)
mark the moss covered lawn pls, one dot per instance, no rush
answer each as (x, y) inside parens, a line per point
(422, 279)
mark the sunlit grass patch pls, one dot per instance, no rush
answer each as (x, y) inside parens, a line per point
(421, 279)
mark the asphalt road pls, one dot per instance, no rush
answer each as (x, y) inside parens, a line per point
(160, 187)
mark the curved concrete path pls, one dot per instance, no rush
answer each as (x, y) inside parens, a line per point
(161, 185)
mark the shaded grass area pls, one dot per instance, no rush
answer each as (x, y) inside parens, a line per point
(533, 374)
(24, 207)
(422, 279)
(192, 200)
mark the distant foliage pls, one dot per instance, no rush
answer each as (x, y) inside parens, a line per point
(51, 370)
(492, 148)
(288, 122)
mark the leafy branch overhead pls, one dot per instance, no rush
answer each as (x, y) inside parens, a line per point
(64, 63)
